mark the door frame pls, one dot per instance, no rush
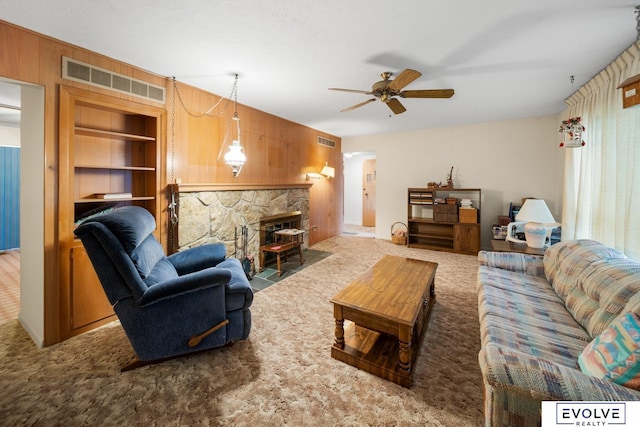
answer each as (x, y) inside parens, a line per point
(352, 186)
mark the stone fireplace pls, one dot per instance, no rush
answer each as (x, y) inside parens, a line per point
(218, 216)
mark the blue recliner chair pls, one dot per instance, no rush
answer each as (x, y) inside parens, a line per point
(190, 301)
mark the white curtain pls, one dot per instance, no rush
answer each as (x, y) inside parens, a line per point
(602, 179)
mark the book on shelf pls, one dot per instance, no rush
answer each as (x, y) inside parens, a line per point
(124, 195)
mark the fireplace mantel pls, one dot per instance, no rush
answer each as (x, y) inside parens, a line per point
(193, 188)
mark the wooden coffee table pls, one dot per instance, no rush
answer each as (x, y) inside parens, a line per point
(389, 308)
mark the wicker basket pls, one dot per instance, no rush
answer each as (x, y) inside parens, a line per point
(398, 235)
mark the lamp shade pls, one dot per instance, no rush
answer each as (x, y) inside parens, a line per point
(539, 222)
(328, 171)
(535, 210)
(235, 156)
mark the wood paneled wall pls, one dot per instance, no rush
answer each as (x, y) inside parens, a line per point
(279, 152)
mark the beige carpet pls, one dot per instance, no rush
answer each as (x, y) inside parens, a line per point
(282, 375)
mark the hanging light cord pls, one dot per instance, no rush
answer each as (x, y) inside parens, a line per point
(207, 113)
(638, 22)
(234, 94)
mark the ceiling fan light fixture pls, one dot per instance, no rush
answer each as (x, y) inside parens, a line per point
(386, 90)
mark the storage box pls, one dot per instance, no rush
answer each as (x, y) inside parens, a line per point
(468, 215)
(503, 220)
(445, 213)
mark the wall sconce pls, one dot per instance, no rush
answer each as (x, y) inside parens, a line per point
(313, 175)
(327, 172)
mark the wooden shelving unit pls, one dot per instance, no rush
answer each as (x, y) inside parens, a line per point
(434, 225)
(107, 145)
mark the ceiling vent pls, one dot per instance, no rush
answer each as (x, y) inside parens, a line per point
(99, 77)
(326, 142)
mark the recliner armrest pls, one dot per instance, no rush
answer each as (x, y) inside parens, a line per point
(191, 282)
(198, 258)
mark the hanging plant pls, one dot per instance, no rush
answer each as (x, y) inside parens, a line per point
(572, 130)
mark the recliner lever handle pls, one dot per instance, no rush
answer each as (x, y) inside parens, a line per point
(196, 339)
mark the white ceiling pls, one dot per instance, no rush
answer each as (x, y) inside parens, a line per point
(505, 58)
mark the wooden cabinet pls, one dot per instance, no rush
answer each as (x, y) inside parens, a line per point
(435, 224)
(109, 157)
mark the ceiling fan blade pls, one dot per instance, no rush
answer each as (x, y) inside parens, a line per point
(353, 107)
(403, 79)
(351, 90)
(427, 93)
(396, 106)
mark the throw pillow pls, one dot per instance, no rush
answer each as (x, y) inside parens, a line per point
(615, 353)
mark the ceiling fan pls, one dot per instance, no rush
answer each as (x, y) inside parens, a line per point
(387, 90)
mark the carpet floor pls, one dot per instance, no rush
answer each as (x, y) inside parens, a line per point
(9, 285)
(282, 375)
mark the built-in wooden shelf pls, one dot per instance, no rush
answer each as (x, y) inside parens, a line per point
(115, 199)
(107, 145)
(125, 168)
(108, 134)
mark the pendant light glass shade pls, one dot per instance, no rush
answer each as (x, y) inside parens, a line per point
(235, 157)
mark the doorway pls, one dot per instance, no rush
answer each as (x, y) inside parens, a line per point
(9, 201)
(369, 193)
(31, 100)
(354, 194)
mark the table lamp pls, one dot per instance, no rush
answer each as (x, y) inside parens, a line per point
(538, 222)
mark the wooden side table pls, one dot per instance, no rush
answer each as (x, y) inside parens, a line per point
(509, 246)
(285, 240)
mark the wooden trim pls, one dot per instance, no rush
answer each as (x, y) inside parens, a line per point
(192, 188)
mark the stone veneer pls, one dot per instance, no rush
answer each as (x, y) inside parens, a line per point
(214, 216)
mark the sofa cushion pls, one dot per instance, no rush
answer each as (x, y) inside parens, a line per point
(602, 291)
(538, 326)
(524, 312)
(564, 262)
(615, 353)
(531, 286)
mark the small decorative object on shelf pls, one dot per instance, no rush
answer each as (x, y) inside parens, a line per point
(572, 129)
(450, 179)
(434, 184)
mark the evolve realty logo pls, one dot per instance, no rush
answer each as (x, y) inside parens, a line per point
(591, 414)
(588, 414)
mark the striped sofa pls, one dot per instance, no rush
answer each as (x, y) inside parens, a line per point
(537, 314)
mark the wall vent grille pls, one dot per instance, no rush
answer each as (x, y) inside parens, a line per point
(326, 142)
(95, 76)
